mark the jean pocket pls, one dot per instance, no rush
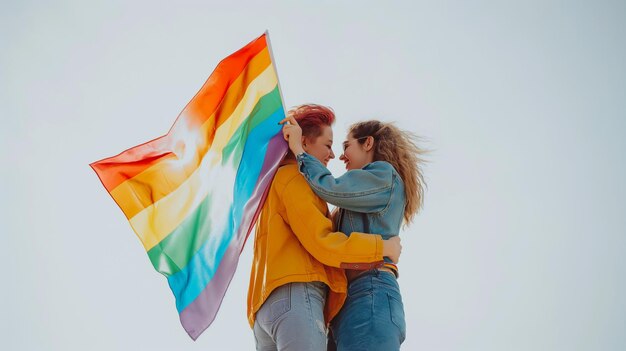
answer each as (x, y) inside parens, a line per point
(396, 310)
(360, 289)
(317, 291)
(279, 303)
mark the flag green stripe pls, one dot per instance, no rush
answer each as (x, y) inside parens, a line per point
(173, 253)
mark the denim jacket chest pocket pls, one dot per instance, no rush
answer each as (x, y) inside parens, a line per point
(385, 222)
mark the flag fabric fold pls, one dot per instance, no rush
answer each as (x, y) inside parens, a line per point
(193, 195)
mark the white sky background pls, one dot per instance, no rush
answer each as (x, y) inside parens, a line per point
(522, 241)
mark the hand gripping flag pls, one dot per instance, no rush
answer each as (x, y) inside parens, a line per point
(193, 195)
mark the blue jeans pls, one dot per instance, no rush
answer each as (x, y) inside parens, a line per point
(292, 318)
(372, 318)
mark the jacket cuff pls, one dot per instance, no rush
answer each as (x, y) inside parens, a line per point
(379, 247)
(300, 159)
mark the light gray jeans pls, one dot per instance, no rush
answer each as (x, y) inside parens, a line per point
(292, 319)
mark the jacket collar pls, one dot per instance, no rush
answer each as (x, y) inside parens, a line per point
(287, 161)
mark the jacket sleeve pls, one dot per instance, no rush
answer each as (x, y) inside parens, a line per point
(314, 231)
(365, 190)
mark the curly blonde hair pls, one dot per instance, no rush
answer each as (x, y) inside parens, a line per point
(399, 148)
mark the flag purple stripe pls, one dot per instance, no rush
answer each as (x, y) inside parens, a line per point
(199, 314)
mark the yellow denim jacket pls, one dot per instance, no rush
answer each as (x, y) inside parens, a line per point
(295, 242)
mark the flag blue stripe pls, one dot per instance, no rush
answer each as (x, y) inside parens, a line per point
(188, 283)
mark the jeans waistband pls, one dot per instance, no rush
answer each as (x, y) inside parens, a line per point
(352, 274)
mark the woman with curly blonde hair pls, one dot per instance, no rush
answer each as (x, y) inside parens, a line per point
(382, 189)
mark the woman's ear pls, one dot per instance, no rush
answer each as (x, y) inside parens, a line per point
(304, 143)
(369, 143)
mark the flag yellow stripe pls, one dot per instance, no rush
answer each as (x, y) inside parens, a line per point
(156, 221)
(157, 181)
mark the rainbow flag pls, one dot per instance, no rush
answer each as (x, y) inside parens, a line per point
(193, 195)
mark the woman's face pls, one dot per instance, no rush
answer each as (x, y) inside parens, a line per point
(321, 147)
(356, 155)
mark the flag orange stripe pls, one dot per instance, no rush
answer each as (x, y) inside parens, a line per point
(163, 178)
(114, 170)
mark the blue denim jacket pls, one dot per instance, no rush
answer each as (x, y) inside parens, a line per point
(371, 199)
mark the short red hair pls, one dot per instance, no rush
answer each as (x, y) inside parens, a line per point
(312, 118)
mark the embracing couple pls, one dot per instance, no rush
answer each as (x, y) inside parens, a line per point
(323, 280)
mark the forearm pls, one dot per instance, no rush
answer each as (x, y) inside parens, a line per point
(314, 230)
(365, 191)
(337, 249)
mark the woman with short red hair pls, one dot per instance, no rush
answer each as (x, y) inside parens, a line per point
(297, 284)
